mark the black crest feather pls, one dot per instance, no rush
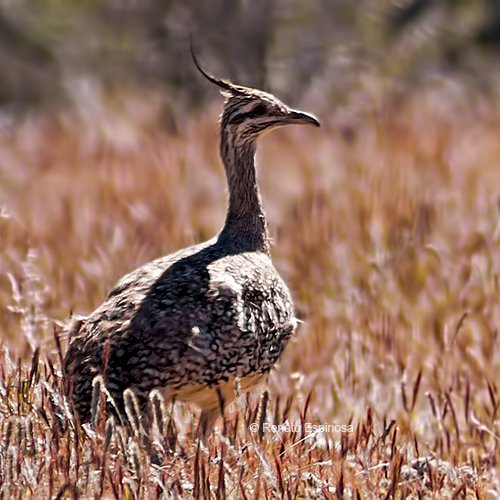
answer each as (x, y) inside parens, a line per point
(223, 84)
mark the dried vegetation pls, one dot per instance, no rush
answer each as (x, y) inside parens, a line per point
(386, 225)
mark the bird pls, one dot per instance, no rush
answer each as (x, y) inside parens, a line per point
(207, 322)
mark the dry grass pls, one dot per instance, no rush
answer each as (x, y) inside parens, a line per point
(387, 228)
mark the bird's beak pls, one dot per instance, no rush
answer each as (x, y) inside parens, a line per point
(302, 118)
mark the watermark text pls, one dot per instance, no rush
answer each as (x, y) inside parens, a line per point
(298, 427)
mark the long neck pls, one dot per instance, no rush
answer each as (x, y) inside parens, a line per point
(245, 226)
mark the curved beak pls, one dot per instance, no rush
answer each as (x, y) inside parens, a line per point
(302, 118)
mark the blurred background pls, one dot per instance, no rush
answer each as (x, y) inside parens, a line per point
(52, 52)
(385, 222)
(109, 156)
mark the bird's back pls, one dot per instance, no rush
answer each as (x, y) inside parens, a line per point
(201, 317)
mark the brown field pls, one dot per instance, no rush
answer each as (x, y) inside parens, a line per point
(386, 226)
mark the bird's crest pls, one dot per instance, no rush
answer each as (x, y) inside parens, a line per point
(227, 87)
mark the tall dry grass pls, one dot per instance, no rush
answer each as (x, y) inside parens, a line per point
(386, 225)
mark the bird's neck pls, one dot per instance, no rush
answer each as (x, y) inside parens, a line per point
(245, 226)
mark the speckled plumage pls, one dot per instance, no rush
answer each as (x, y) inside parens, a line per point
(204, 316)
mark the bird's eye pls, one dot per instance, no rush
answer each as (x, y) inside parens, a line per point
(260, 109)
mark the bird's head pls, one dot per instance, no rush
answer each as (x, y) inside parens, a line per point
(249, 112)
